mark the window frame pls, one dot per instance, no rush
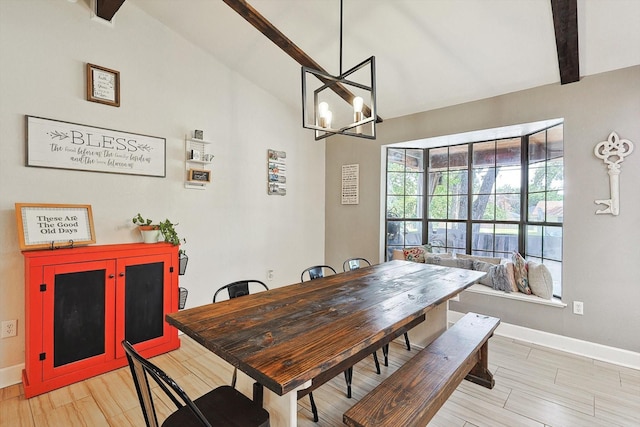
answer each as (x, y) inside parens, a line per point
(522, 223)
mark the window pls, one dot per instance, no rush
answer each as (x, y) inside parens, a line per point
(487, 198)
(405, 198)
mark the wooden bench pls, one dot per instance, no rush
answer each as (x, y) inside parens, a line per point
(412, 395)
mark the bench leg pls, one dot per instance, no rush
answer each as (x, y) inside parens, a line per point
(480, 373)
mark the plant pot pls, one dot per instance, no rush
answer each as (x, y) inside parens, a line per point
(150, 234)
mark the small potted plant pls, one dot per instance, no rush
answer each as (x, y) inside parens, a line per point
(150, 232)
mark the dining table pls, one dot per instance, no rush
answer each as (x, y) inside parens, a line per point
(292, 339)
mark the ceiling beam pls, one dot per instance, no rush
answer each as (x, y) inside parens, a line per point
(252, 16)
(565, 23)
(106, 9)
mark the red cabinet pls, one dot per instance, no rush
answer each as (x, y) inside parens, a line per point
(82, 302)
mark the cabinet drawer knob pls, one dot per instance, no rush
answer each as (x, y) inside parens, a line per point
(121, 274)
(111, 276)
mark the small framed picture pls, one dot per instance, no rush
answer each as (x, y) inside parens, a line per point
(52, 226)
(195, 155)
(199, 175)
(198, 134)
(103, 85)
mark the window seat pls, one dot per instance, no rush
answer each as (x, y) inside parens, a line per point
(481, 289)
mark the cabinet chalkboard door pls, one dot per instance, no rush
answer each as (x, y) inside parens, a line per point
(80, 304)
(142, 297)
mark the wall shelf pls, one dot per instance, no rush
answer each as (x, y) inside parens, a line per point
(197, 159)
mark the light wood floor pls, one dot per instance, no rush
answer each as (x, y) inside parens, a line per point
(535, 386)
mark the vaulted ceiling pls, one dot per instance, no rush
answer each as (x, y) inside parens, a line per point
(429, 53)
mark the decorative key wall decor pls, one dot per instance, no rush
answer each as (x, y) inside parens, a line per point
(612, 152)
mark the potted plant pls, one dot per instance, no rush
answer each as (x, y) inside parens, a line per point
(151, 234)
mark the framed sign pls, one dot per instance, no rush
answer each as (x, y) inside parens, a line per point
(199, 175)
(52, 226)
(276, 173)
(64, 145)
(103, 85)
(350, 184)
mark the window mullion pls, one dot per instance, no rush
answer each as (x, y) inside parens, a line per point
(524, 194)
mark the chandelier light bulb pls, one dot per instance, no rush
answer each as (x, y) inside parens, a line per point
(357, 110)
(323, 107)
(357, 104)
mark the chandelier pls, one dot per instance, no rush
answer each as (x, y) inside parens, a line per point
(343, 104)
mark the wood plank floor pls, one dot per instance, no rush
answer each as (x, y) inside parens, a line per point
(535, 386)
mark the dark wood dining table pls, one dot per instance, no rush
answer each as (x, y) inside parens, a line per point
(295, 338)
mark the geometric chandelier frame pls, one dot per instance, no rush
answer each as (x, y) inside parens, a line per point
(354, 102)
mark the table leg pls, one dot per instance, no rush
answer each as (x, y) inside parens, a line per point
(283, 410)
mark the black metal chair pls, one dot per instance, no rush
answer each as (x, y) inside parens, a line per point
(316, 272)
(235, 290)
(239, 288)
(222, 406)
(354, 264)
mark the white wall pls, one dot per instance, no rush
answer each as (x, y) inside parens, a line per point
(234, 230)
(601, 262)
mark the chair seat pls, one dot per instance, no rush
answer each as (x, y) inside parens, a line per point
(238, 411)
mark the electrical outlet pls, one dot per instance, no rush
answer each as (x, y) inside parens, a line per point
(269, 275)
(9, 328)
(578, 307)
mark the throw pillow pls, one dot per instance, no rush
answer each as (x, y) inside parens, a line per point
(467, 264)
(490, 260)
(540, 280)
(415, 254)
(444, 255)
(503, 277)
(485, 267)
(522, 280)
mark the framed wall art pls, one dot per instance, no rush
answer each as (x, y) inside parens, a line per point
(64, 145)
(103, 85)
(350, 184)
(276, 173)
(199, 175)
(53, 226)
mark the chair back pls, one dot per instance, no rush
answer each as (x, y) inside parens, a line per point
(239, 288)
(316, 272)
(141, 370)
(354, 264)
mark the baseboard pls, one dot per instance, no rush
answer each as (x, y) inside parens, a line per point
(595, 351)
(11, 375)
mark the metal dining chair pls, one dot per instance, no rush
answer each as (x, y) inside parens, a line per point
(235, 290)
(354, 264)
(316, 272)
(239, 288)
(222, 406)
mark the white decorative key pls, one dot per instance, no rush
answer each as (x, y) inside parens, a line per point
(612, 152)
